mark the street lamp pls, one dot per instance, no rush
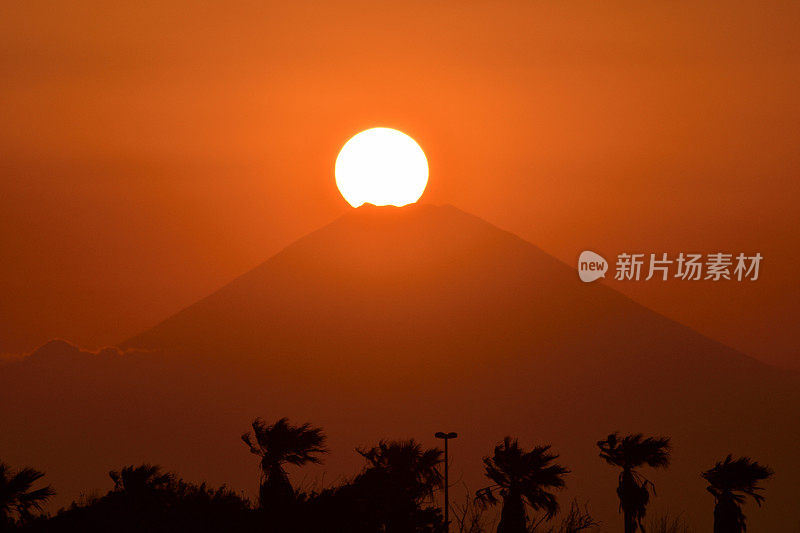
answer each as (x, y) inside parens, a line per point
(446, 437)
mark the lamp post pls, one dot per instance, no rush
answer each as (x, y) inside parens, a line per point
(446, 437)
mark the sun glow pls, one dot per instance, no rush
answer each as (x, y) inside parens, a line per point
(381, 166)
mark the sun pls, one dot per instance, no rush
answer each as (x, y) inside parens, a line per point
(381, 166)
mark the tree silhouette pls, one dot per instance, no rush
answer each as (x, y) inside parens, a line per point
(399, 477)
(731, 481)
(17, 500)
(629, 453)
(278, 444)
(521, 477)
(142, 487)
(136, 480)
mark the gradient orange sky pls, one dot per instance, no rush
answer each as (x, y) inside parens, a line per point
(151, 152)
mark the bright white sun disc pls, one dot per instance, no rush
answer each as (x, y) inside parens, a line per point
(381, 166)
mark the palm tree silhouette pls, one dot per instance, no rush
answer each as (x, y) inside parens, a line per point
(521, 477)
(138, 480)
(407, 464)
(731, 481)
(17, 500)
(142, 490)
(399, 477)
(634, 489)
(278, 444)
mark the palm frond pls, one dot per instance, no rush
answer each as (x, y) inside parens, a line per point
(16, 496)
(532, 474)
(741, 475)
(635, 450)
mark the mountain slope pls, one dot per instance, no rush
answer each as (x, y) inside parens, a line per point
(396, 322)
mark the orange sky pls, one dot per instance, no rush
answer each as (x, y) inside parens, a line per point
(150, 153)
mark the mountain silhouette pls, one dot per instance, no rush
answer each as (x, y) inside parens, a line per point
(399, 322)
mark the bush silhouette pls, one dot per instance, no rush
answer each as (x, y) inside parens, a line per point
(144, 498)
